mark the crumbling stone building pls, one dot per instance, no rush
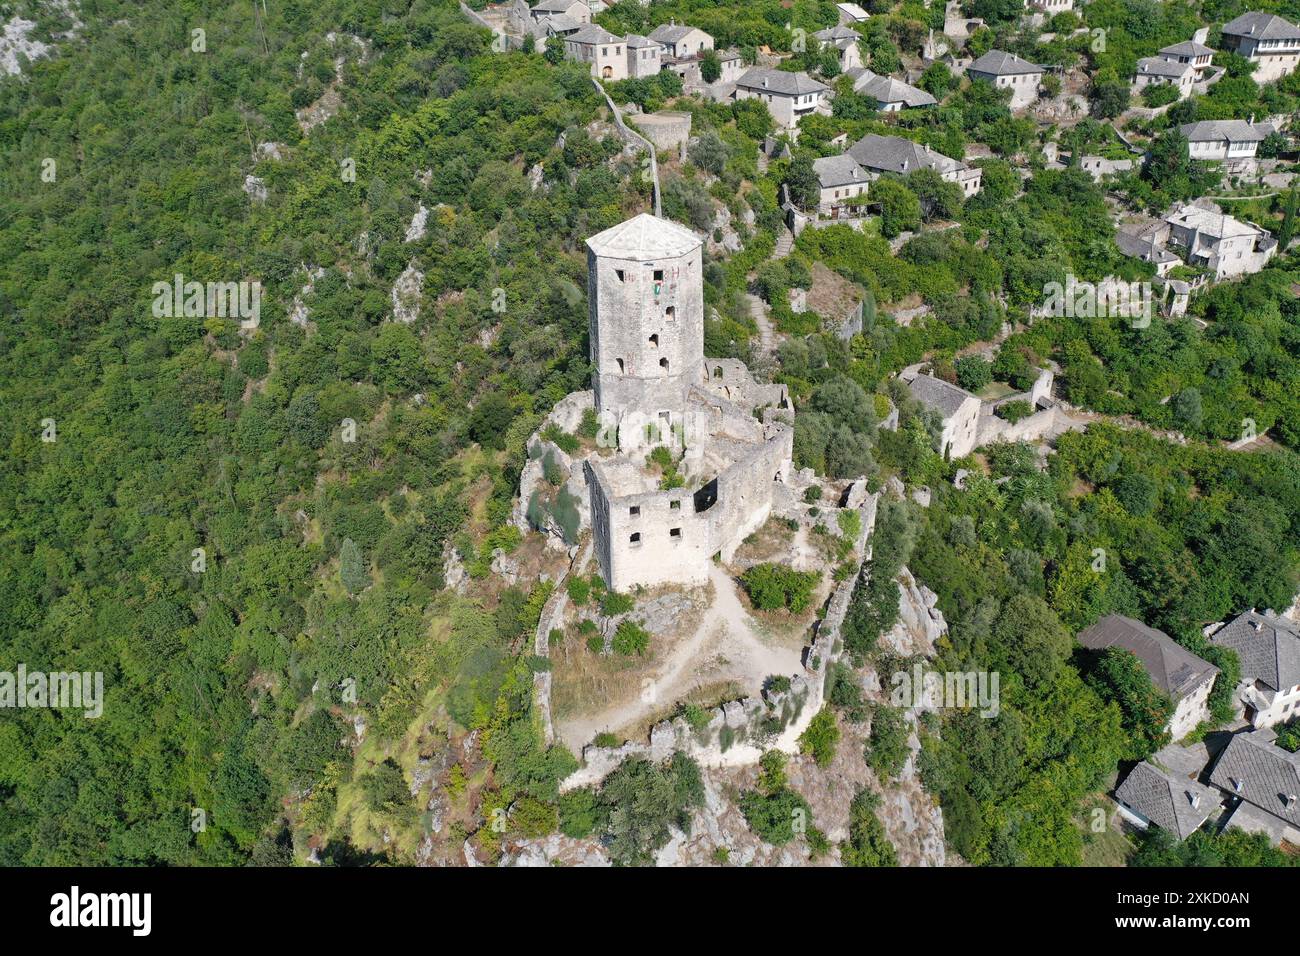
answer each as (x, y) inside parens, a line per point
(731, 437)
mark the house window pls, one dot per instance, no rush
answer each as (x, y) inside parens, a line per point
(654, 340)
(620, 364)
(663, 364)
(717, 371)
(659, 275)
(635, 538)
(670, 313)
(619, 273)
(634, 510)
(675, 533)
(674, 506)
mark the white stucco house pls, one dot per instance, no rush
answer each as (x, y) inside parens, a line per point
(1224, 246)
(789, 97)
(844, 40)
(1164, 791)
(840, 179)
(1268, 648)
(1262, 781)
(890, 95)
(894, 154)
(1157, 71)
(1184, 677)
(1009, 72)
(1268, 41)
(1224, 141)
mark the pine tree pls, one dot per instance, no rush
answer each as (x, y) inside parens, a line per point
(353, 571)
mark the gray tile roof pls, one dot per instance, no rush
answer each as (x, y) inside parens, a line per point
(937, 394)
(1172, 801)
(1187, 48)
(671, 33)
(637, 40)
(1268, 647)
(1261, 26)
(1172, 668)
(591, 33)
(1236, 131)
(644, 237)
(885, 89)
(842, 170)
(558, 6)
(893, 154)
(1254, 768)
(779, 81)
(1001, 63)
(1155, 66)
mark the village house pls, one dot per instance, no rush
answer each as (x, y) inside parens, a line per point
(680, 41)
(789, 97)
(1157, 71)
(597, 47)
(1009, 72)
(1224, 141)
(1191, 52)
(1266, 40)
(890, 95)
(893, 154)
(549, 18)
(1214, 241)
(1176, 671)
(1164, 791)
(643, 56)
(850, 13)
(845, 41)
(1050, 7)
(958, 410)
(1264, 779)
(1268, 648)
(840, 179)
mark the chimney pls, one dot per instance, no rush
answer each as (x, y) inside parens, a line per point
(1193, 798)
(1238, 784)
(1289, 800)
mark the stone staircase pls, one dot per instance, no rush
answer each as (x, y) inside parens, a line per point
(784, 243)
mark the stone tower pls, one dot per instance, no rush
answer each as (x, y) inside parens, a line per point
(646, 293)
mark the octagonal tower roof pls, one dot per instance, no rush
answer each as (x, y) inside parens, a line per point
(644, 237)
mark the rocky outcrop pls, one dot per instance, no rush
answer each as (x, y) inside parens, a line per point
(406, 295)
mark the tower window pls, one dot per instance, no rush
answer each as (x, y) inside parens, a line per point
(663, 364)
(619, 273)
(674, 506)
(670, 313)
(654, 340)
(674, 532)
(635, 538)
(634, 510)
(620, 364)
(659, 275)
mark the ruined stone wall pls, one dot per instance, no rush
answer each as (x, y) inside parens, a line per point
(745, 492)
(657, 555)
(739, 731)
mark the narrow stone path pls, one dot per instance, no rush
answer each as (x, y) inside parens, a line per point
(766, 333)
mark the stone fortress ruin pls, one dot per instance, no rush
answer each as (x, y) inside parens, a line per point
(653, 387)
